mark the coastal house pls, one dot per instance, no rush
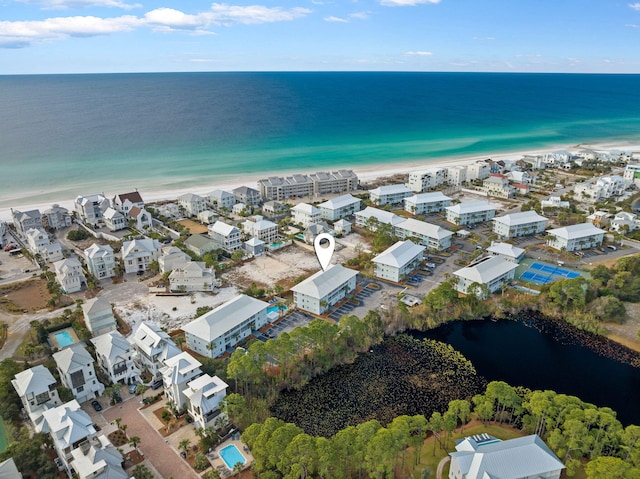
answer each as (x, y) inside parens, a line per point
(624, 222)
(39, 243)
(599, 219)
(221, 199)
(225, 236)
(200, 244)
(69, 275)
(484, 456)
(434, 237)
(305, 214)
(389, 195)
(522, 177)
(456, 175)
(248, 196)
(172, 257)
(262, 229)
(75, 366)
(426, 203)
(90, 209)
(426, 180)
(632, 173)
(525, 223)
(192, 276)
(485, 277)
(575, 237)
(254, 246)
(521, 188)
(36, 388)
(25, 220)
(338, 208)
(273, 209)
(177, 372)
(241, 209)
(101, 261)
(310, 232)
(371, 217)
(507, 251)
(497, 185)
(138, 253)
(324, 289)
(124, 202)
(114, 220)
(141, 218)
(153, 346)
(168, 210)
(115, 358)
(554, 202)
(398, 261)
(192, 204)
(207, 217)
(98, 316)
(98, 460)
(204, 396)
(223, 327)
(603, 188)
(557, 159)
(342, 227)
(56, 218)
(470, 213)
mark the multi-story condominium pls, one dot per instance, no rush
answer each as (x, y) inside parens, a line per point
(25, 220)
(114, 220)
(426, 180)
(56, 218)
(248, 196)
(75, 365)
(426, 203)
(484, 456)
(262, 229)
(456, 175)
(478, 171)
(604, 188)
(389, 195)
(204, 395)
(339, 208)
(506, 251)
(37, 390)
(432, 236)
(98, 460)
(371, 217)
(525, 223)
(153, 346)
(138, 253)
(124, 202)
(192, 276)
(306, 214)
(141, 218)
(69, 275)
(90, 209)
(575, 237)
(398, 261)
(470, 213)
(172, 257)
(115, 358)
(222, 199)
(98, 316)
(324, 289)
(177, 372)
(485, 276)
(226, 236)
(200, 244)
(282, 188)
(192, 203)
(341, 181)
(223, 327)
(498, 185)
(39, 244)
(101, 261)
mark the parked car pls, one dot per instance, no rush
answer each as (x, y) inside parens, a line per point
(96, 405)
(132, 388)
(430, 265)
(140, 273)
(117, 399)
(157, 384)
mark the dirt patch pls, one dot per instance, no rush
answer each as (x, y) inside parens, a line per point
(173, 426)
(118, 438)
(627, 333)
(26, 296)
(193, 227)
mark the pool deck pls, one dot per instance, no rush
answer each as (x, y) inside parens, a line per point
(53, 341)
(218, 463)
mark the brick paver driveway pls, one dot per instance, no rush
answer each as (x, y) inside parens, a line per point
(166, 460)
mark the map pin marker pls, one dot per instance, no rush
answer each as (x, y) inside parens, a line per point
(324, 252)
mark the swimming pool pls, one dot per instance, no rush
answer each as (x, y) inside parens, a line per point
(232, 456)
(63, 338)
(273, 309)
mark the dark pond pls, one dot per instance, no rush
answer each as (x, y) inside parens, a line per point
(541, 354)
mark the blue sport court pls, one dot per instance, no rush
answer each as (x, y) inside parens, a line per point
(540, 273)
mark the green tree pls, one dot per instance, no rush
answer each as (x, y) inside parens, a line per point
(134, 441)
(212, 474)
(141, 472)
(30, 455)
(166, 418)
(184, 445)
(608, 308)
(606, 467)
(461, 408)
(201, 462)
(10, 403)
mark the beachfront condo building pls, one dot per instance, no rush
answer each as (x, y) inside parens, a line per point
(478, 171)
(315, 184)
(389, 195)
(305, 214)
(470, 213)
(75, 366)
(115, 358)
(204, 396)
(426, 203)
(426, 180)
(36, 388)
(524, 223)
(575, 237)
(340, 207)
(456, 175)
(101, 261)
(485, 277)
(226, 236)
(398, 261)
(434, 237)
(324, 289)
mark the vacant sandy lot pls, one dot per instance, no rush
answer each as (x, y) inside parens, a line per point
(24, 296)
(194, 227)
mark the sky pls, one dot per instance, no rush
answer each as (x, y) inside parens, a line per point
(106, 36)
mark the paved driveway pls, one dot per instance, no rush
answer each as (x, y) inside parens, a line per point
(163, 457)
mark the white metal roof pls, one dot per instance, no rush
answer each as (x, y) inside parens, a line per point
(339, 202)
(424, 229)
(486, 270)
(306, 208)
(430, 197)
(33, 381)
(505, 249)
(400, 254)
(222, 228)
(580, 230)
(521, 218)
(382, 216)
(390, 190)
(323, 282)
(471, 207)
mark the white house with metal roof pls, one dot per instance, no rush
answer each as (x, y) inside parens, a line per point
(389, 194)
(226, 236)
(426, 203)
(470, 212)
(114, 220)
(153, 346)
(483, 457)
(98, 460)
(222, 199)
(75, 366)
(192, 276)
(507, 251)
(69, 274)
(398, 261)
(340, 207)
(213, 332)
(575, 237)
(262, 229)
(370, 218)
(177, 372)
(491, 272)
(101, 261)
(37, 390)
(192, 203)
(306, 214)
(39, 243)
(91, 208)
(204, 395)
(322, 290)
(524, 223)
(115, 357)
(432, 236)
(98, 316)
(172, 257)
(138, 253)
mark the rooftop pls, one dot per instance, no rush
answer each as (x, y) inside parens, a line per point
(428, 197)
(521, 218)
(390, 190)
(322, 283)
(425, 229)
(339, 202)
(580, 230)
(471, 207)
(400, 254)
(486, 270)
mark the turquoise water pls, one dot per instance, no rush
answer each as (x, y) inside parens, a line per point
(231, 456)
(273, 309)
(63, 338)
(64, 135)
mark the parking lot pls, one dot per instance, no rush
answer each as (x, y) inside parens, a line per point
(288, 323)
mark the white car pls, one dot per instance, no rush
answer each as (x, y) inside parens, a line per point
(430, 265)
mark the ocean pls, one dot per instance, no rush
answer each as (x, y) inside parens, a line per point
(64, 135)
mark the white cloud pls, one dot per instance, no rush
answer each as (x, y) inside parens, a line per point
(405, 3)
(484, 39)
(419, 54)
(632, 25)
(635, 6)
(335, 19)
(223, 14)
(360, 15)
(66, 4)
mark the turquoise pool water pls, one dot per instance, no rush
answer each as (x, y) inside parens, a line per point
(272, 309)
(275, 245)
(231, 456)
(64, 338)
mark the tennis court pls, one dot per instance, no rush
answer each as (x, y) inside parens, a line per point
(536, 278)
(547, 268)
(541, 273)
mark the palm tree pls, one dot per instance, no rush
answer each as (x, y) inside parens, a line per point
(237, 468)
(134, 441)
(166, 417)
(184, 446)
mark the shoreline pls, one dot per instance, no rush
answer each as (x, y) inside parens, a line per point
(365, 174)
